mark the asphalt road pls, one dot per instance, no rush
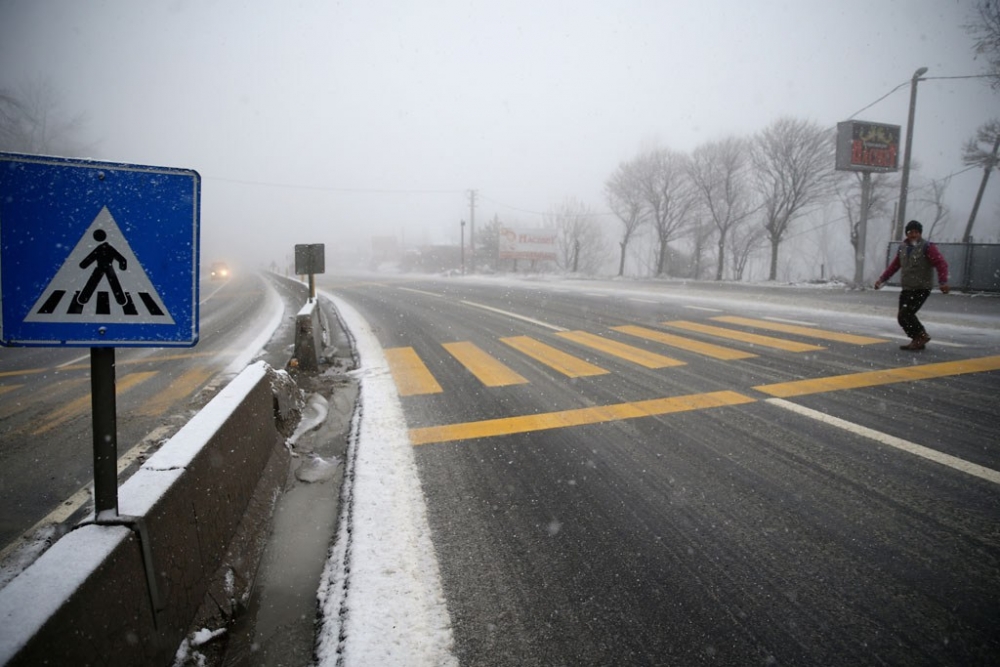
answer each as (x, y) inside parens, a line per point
(46, 441)
(618, 474)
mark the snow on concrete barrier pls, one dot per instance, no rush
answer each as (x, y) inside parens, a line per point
(87, 600)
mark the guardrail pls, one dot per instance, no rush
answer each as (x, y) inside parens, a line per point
(126, 592)
(974, 267)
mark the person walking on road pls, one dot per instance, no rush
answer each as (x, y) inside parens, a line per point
(917, 258)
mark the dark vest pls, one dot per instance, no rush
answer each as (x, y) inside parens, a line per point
(915, 269)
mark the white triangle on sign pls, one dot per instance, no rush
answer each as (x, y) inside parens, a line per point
(92, 287)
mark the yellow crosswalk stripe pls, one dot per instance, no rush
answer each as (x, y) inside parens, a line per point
(178, 390)
(876, 378)
(53, 390)
(411, 375)
(743, 337)
(488, 370)
(691, 345)
(557, 360)
(579, 417)
(808, 332)
(78, 406)
(636, 355)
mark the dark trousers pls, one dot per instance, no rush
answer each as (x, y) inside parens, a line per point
(910, 301)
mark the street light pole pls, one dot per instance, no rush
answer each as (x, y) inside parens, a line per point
(905, 181)
(463, 247)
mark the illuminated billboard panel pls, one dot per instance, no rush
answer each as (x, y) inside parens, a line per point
(865, 146)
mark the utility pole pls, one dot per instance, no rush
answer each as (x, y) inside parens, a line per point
(990, 165)
(905, 182)
(859, 251)
(472, 231)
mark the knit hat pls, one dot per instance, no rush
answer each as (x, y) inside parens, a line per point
(913, 224)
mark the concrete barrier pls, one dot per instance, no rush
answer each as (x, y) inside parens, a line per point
(308, 337)
(127, 594)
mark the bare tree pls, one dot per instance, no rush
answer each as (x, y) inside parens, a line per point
(11, 114)
(702, 234)
(935, 201)
(488, 240)
(718, 171)
(884, 187)
(745, 241)
(581, 240)
(624, 192)
(31, 121)
(793, 171)
(669, 197)
(985, 32)
(975, 155)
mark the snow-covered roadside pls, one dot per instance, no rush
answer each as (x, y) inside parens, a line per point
(381, 598)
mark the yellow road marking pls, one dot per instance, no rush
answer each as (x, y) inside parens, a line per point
(26, 371)
(557, 360)
(53, 390)
(179, 389)
(706, 349)
(808, 332)
(411, 375)
(85, 366)
(592, 415)
(876, 378)
(9, 387)
(490, 372)
(164, 357)
(78, 406)
(631, 353)
(744, 337)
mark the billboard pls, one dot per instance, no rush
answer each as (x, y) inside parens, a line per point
(533, 244)
(865, 146)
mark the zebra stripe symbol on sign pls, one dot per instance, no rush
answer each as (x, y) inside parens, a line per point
(102, 258)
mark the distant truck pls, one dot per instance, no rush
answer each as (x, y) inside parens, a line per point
(219, 271)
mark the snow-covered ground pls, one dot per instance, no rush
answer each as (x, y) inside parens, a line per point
(381, 598)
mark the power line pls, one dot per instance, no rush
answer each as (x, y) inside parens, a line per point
(926, 78)
(595, 214)
(905, 83)
(324, 188)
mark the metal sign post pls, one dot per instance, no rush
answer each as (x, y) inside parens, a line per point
(105, 417)
(99, 255)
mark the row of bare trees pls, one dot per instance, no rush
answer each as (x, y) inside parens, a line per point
(736, 191)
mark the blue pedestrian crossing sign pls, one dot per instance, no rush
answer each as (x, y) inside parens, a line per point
(97, 254)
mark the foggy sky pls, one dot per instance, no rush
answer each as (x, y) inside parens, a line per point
(327, 122)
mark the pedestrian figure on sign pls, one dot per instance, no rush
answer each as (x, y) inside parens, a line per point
(105, 256)
(918, 259)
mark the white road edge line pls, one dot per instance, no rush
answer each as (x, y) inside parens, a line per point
(961, 465)
(420, 291)
(941, 343)
(515, 316)
(784, 321)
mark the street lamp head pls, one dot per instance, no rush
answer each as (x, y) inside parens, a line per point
(919, 73)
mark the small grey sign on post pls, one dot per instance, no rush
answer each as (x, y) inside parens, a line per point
(310, 259)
